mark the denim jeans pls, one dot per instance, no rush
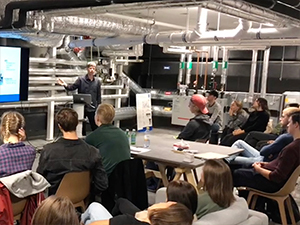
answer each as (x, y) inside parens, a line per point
(95, 212)
(214, 137)
(248, 156)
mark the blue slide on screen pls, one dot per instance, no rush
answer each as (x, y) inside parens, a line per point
(10, 66)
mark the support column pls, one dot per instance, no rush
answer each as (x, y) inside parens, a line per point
(119, 69)
(51, 105)
(252, 75)
(181, 69)
(189, 66)
(264, 77)
(224, 69)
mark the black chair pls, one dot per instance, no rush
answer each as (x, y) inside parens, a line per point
(127, 181)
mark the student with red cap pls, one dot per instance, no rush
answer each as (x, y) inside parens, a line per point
(199, 126)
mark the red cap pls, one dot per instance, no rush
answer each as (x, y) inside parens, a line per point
(200, 102)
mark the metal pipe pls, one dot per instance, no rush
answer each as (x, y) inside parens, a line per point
(114, 96)
(224, 68)
(61, 72)
(57, 61)
(137, 50)
(59, 88)
(215, 63)
(244, 43)
(181, 69)
(252, 75)
(98, 42)
(140, 20)
(119, 70)
(189, 66)
(264, 78)
(70, 98)
(27, 105)
(201, 20)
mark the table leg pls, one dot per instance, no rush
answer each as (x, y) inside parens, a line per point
(162, 170)
(190, 177)
(177, 175)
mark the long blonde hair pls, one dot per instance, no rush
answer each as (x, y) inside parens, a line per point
(11, 122)
(55, 210)
(218, 182)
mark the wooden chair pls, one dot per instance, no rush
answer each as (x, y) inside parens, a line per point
(18, 206)
(75, 186)
(279, 196)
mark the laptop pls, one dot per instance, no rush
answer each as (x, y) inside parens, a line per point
(82, 99)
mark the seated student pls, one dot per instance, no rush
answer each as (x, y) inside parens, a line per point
(55, 210)
(216, 115)
(238, 117)
(218, 189)
(71, 154)
(111, 141)
(258, 139)
(15, 156)
(199, 126)
(166, 213)
(125, 212)
(267, 153)
(257, 121)
(271, 176)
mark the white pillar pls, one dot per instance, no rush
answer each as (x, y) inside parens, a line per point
(264, 77)
(51, 105)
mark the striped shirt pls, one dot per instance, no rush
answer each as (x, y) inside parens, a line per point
(15, 158)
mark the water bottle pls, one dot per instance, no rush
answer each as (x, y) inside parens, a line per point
(146, 138)
(133, 137)
(128, 135)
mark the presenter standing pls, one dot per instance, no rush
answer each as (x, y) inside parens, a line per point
(87, 84)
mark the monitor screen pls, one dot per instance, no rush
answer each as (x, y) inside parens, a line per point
(14, 73)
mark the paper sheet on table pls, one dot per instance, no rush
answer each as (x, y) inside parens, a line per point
(138, 150)
(210, 155)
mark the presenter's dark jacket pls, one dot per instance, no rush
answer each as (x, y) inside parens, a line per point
(87, 86)
(64, 156)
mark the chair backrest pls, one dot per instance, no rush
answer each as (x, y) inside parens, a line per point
(127, 181)
(75, 186)
(18, 204)
(290, 185)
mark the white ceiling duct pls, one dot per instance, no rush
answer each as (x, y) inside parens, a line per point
(92, 25)
(236, 8)
(40, 39)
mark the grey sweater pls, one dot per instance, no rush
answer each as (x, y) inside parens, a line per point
(238, 120)
(215, 112)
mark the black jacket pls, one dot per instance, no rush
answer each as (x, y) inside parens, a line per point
(127, 181)
(257, 121)
(87, 86)
(64, 156)
(197, 128)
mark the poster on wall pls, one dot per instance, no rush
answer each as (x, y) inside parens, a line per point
(181, 114)
(143, 111)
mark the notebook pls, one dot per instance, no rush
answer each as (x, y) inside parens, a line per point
(210, 155)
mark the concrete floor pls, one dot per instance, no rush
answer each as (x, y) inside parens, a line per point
(162, 133)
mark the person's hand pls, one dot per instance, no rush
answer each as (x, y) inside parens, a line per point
(161, 205)
(61, 82)
(230, 112)
(257, 166)
(22, 134)
(270, 142)
(237, 132)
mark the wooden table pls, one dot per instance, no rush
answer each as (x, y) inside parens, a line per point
(162, 154)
